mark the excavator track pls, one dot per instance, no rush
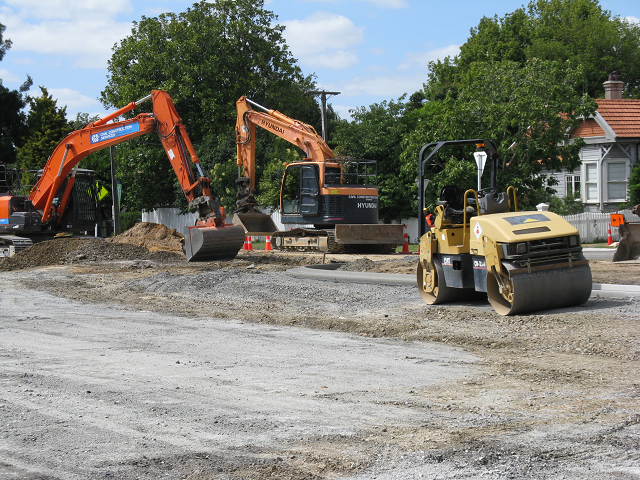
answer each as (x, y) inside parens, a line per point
(12, 244)
(322, 241)
(307, 240)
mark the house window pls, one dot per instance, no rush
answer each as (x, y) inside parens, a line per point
(573, 185)
(616, 181)
(591, 181)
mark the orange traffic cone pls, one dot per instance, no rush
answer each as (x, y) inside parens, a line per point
(245, 245)
(405, 245)
(267, 244)
(249, 245)
(609, 237)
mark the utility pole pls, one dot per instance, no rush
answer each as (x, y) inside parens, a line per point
(323, 108)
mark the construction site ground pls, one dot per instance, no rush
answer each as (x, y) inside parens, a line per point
(125, 363)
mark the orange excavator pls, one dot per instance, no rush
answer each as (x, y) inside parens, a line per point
(339, 197)
(40, 215)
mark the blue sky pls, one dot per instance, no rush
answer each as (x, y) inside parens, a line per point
(369, 50)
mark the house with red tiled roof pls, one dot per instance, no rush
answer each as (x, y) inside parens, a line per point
(612, 139)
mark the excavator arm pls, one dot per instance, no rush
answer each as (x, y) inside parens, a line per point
(299, 134)
(99, 135)
(45, 196)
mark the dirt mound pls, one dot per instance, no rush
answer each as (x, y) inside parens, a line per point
(360, 265)
(65, 251)
(152, 236)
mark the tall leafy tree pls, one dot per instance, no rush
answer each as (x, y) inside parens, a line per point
(5, 43)
(559, 30)
(525, 110)
(634, 186)
(12, 117)
(206, 58)
(377, 133)
(46, 126)
(582, 31)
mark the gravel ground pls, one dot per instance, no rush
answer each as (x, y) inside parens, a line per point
(548, 395)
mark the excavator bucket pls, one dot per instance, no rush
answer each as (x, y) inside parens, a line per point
(213, 243)
(629, 245)
(255, 224)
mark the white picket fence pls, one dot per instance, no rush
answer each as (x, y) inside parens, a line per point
(592, 226)
(172, 218)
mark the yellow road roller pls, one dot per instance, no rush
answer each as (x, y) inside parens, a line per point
(477, 242)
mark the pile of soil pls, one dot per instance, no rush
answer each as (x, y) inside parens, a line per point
(66, 251)
(152, 236)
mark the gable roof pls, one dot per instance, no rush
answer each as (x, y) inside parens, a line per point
(588, 128)
(621, 117)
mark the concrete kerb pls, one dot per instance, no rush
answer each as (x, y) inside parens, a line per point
(330, 272)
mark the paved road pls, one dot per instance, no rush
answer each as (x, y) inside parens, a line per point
(599, 253)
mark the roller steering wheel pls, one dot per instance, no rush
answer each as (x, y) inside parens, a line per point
(487, 191)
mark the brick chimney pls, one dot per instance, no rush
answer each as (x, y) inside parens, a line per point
(613, 87)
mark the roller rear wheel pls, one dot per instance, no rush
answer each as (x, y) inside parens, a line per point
(432, 286)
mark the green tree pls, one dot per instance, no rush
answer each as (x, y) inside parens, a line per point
(376, 133)
(279, 154)
(12, 117)
(5, 43)
(569, 205)
(13, 121)
(525, 110)
(634, 186)
(560, 30)
(206, 58)
(47, 126)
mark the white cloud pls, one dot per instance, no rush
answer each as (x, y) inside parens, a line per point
(631, 19)
(83, 30)
(423, 59)
(73, 100)
(389, 86)
(323, 40)
(333, 59)
(343, 111)
(69, 9)
(7, 76)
